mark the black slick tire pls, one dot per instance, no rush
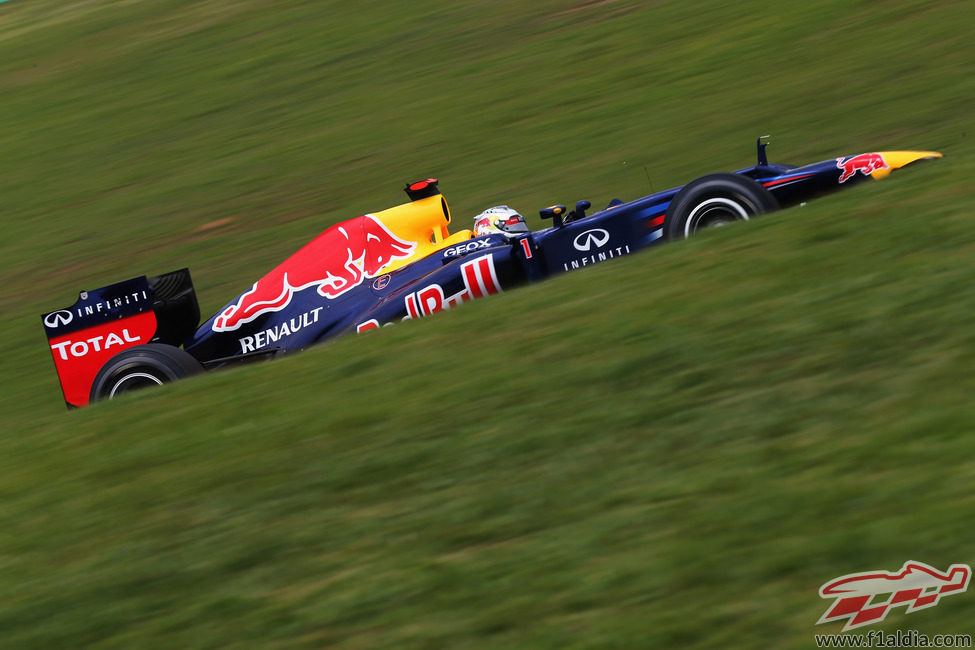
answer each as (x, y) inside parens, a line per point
(715, 200)
(140, 367)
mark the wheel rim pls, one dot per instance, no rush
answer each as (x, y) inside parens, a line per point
(134, 381)
(714, 213)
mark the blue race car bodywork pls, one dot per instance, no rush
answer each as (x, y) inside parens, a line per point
(395, 265)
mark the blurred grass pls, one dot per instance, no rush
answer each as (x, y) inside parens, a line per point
(673, 449)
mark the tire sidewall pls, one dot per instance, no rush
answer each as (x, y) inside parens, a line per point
(142, 365)
(735, 193)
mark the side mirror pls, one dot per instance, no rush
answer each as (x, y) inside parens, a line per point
(580, 211)
(554, 213)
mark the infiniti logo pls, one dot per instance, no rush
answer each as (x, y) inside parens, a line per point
(595, 238)
(58, 318)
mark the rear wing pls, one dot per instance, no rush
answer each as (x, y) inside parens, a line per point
(105, 321)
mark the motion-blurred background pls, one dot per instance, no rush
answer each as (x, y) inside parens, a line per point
(669, 450)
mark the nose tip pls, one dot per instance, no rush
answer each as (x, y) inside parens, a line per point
(898, 159)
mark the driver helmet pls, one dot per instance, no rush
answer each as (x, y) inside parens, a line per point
(499, 220)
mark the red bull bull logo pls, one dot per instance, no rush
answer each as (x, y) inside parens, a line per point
(865, 163)
(335, 262)
(916, 585)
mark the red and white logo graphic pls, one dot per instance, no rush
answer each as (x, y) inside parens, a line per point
(335, 262)
(865, 163)
(80, 355)
(480, 280)
(916, 585)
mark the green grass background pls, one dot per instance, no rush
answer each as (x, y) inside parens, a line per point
(668, 450)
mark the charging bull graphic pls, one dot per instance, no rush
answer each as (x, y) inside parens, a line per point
(865, 163)
(917, 586)
(335, 262)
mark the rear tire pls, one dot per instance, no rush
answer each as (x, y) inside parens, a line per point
(153, 364)
(713, 201)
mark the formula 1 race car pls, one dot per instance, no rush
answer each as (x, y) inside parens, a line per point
(399, 264)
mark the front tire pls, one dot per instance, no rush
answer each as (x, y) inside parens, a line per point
(713, 201)
(142, 366)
